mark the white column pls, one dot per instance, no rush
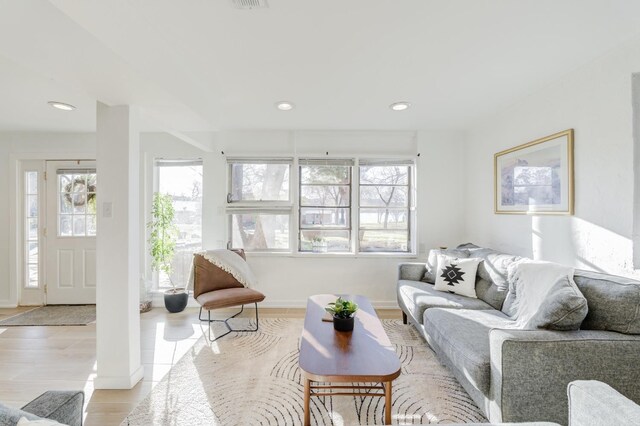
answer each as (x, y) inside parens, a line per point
(118, 248)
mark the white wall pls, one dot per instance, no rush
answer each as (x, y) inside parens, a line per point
(596, 101)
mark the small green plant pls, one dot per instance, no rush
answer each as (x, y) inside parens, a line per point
(342, 308)
(163, 235)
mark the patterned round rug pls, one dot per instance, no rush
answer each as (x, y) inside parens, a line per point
(254, 379)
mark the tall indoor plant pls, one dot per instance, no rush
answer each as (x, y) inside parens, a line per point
(162, 246)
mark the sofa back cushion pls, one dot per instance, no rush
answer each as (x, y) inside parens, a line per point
(614, 302)
(492, 285)
(490, 293)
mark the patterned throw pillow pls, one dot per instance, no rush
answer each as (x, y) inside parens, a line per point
(458, 276)
(432, 261)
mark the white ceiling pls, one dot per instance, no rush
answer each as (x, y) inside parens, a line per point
(198, 65)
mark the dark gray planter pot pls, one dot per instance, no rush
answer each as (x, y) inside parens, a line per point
(175, 302)
(343, 324)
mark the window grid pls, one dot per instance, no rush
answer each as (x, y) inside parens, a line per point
(386, 242)
(318, 237)
(76, 204)
(31, 230)
(259, 204)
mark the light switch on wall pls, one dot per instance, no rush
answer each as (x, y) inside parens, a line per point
(107, 209)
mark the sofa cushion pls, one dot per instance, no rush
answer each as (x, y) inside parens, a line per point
(458, 276)
(563, 308)
(417, 296)
(462, 336)
(10, 416)
(614, 302)
(432, 261)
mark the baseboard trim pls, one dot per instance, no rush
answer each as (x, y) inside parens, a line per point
(158, 302)
(119, 382)
(8, 304)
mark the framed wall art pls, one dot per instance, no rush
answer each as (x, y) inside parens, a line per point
(536, 177)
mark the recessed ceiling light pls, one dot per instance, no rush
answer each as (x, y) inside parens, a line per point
(61, 105)
(284, 106)
(399, 106)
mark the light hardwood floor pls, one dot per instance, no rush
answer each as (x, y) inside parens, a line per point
(36, 359)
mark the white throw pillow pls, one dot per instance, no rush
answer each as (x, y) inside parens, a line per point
(40, 422)
(529, 283)
(455, 275)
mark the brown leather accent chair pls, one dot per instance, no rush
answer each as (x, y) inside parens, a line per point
(214, 288)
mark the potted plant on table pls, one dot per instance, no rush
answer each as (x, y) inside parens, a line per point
(162, 242)
(343, 312)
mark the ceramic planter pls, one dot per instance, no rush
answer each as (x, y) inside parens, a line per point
(343, 324)
(175, 302)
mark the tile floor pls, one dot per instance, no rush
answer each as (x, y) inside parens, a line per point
(36, 359)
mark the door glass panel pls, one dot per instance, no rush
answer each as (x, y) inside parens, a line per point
(65, 226)
(31, 240)
(78, 225)
(32, 224)
(77, 205)
(32, 252)
(91, 225)
(79, 202)
(66, 206)
(32, 206)
(32, 279)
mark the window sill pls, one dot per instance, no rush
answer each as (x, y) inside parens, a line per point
(307, 255)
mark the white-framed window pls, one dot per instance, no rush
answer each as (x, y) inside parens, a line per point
(325, 205)
(31, 230)
(183, 180)
(259, 204)
(386, 206)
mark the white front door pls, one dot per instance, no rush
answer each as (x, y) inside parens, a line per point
(70, 276)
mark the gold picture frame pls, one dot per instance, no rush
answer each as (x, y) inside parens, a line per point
(536, 177)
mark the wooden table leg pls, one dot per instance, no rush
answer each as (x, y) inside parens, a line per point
(387, 403)
(307, 395)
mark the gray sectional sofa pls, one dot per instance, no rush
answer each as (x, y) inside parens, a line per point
(519, 375)
(65, 407)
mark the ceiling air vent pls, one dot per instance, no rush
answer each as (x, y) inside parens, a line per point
(250, 4)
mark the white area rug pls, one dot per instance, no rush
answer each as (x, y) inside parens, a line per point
(254, 379)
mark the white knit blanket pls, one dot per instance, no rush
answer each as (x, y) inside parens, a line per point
(531, 281)
(229, 262)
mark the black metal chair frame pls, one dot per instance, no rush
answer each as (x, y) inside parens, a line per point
(225, 321)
